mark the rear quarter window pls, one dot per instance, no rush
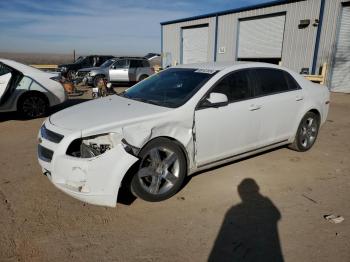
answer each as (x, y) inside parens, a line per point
(271, 81)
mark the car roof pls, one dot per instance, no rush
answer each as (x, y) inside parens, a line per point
(25, 69)
(219, 66)
(131, 57)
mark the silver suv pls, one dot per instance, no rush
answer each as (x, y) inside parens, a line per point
(117, 70)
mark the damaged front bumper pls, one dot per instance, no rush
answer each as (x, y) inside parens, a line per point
(94, 180)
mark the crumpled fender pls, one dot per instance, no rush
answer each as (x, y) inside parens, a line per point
(140, 134)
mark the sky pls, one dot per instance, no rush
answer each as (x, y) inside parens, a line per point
(117, 27)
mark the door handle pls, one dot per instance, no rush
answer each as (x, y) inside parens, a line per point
(254, 107)
(299, 98)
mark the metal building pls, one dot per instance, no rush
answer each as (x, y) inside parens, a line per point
(300, 34)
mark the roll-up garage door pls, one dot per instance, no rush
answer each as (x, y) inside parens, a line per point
(341, 69)
(195, 44)
(261, 37)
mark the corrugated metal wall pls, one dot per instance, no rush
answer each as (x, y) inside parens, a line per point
(172, 38)
(298, 44)
(330, 27)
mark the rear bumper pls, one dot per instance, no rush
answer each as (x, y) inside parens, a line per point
(94, 180)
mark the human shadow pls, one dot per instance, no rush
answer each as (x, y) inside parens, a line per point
(249, 231)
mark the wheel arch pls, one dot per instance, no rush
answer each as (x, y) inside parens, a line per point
(142, 75)
(174, 140)
(315, 111)
(30, 92)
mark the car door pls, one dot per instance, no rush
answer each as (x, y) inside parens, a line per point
(222, 132)
(119, 71)
(5, 79)
(133, 69)
(280, 98)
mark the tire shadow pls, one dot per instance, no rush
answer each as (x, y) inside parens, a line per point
(8, 116)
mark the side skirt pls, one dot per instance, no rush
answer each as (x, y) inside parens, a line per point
(240, 156)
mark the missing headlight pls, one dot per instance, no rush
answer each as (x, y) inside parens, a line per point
(93, 146)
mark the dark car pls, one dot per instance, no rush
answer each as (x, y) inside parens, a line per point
(69, 70)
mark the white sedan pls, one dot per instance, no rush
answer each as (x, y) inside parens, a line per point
(177, 122)
(28, 90)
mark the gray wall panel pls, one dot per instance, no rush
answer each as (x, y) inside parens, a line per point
(298, 46)
(172, 38)
(330, 28)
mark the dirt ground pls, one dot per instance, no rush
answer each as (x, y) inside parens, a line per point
(220, 215)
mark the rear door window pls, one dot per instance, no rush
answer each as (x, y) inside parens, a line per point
(136, 63)
(236, 86)
(122, 63)
(145, 63)
(270, 81)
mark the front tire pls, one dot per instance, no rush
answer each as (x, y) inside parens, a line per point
(161, 172)
(97, 79)
(307, 132)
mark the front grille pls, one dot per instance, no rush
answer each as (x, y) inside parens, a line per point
(82, 73)
(44, 153)
(49, 135)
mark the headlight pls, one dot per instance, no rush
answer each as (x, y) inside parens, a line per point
(93, 146)
(63, 69)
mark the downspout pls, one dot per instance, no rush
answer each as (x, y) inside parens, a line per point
(318, 37)
(216, 37)
(161, 45)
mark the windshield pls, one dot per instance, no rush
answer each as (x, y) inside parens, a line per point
(108, 63)
(80, 58)
(170, 88)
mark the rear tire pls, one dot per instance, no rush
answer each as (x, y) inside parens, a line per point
(307, 133)
(142, 77)
(33, 105)
(161, 171)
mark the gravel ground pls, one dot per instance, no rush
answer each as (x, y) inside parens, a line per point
(265, 208)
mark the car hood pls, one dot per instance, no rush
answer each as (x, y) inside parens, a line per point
(88, 69)
(105, 112)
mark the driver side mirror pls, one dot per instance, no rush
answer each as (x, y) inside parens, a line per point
(215, 100)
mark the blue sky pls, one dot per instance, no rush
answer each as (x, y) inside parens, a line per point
(105, 27)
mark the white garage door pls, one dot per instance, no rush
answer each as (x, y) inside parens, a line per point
(261, 37)
(341, 69)
(195, 45)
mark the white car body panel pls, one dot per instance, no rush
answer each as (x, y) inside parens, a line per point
(204, 135)
(119, 74)
(4, 80)
(216, 143)
(33, 80)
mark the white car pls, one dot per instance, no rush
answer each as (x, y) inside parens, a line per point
(177, 122)
(28, 90)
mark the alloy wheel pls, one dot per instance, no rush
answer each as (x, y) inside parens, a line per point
(308, 132)
(159, 170)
